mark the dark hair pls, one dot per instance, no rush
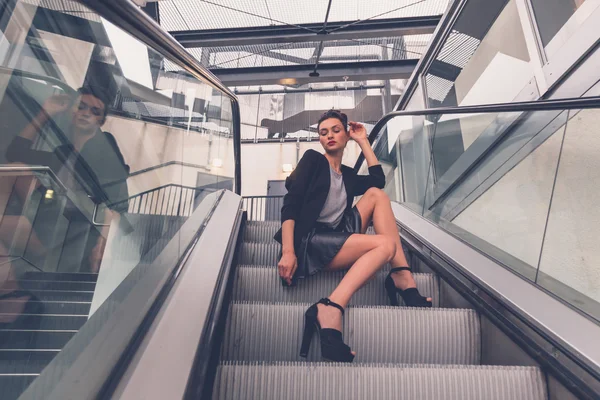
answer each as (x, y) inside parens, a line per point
(337, 114)
(98, 93)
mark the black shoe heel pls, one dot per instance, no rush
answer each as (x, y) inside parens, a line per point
(392, 291)
(410, 296)
(333, 347)
(310, 323)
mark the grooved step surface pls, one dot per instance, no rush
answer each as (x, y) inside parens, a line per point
(262, 283)
(14, 385)
(260, 253)
(58, 295)
(44, 321)
(272, 332)
(48, 307)
(34, 339)
(304, 381)
(60, 276)
(50, 285)
(263, 231)
(24, 362)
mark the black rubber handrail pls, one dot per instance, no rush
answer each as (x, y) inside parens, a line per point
(577, 103)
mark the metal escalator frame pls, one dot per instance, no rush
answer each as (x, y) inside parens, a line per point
(127, 16)
(194, 369)
(562, 342)
(116, 330)
(578, 371)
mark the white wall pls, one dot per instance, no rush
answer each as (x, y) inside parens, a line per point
(497, 72)
(499, 65)
(262, 162)
(145, 145)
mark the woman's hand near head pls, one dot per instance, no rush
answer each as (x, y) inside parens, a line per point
(357, 132)
(287, 266)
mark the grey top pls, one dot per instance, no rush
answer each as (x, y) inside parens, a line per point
(334, 207)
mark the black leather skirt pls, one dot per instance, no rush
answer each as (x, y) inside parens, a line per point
(322, 243)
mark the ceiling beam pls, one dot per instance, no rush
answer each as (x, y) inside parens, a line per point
(329, 72)
(389, 27)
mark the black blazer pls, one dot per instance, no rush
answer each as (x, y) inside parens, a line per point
(101, 153)
(308, 187)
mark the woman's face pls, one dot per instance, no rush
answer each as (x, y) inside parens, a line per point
(333, 135)
(88, 113)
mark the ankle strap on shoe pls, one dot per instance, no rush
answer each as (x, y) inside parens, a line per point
(397, 269)
(328, 302)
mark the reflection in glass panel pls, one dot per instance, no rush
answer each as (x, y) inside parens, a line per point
(552, 15)
(483, 61)
(104, 155)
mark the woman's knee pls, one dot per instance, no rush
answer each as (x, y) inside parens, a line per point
(377, 194)
(388, 246)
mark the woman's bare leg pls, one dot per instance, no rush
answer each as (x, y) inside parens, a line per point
(375, 206)
(366, 254)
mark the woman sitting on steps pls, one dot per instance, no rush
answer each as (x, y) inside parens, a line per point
(322, 231)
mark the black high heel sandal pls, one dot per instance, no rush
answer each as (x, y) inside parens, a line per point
(411, 296)
(333, 347)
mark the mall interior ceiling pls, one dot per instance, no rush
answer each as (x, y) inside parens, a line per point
(280, 45)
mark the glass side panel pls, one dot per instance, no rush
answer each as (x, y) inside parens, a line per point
(528, 203)
(104, 156)
(570, 256)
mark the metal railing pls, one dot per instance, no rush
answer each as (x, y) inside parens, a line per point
(172, 199)
(579, 103)
(263, 208)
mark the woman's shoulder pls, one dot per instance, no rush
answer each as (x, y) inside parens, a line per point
(312, 154)
(348, 170)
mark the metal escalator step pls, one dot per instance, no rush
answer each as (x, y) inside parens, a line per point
(13, 385)
(262, 283)
(61, 276)
(260, 253)
(272, 332)
(261, 231)
(49, 285)
(47, 307)
(25, 361)
(46, 321)
(304, 381)
(59, 295)
(34, 339)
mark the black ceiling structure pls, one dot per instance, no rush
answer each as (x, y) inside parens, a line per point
(294, 75)
(270, 34)
(276, 42)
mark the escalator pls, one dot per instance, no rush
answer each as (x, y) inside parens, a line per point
(28, 344)
(402, 353)
(189, 304)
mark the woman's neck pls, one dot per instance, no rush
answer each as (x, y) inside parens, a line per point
(335, 161)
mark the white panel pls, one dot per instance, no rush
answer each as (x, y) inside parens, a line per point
(132, 55)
